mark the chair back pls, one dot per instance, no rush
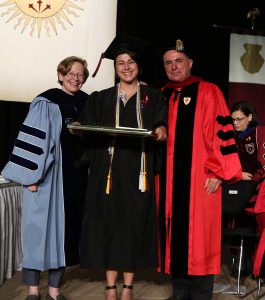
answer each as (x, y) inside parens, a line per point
(236, 196)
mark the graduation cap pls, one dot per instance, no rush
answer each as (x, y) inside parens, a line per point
(179, 45)
(122, 44)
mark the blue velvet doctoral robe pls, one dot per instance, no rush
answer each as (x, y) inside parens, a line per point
(37, 158)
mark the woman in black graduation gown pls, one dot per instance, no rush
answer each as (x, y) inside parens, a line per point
(119, 223)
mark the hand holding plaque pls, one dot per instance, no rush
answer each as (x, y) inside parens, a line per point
(115, 131)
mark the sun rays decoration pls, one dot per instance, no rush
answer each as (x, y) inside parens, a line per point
(35, 15)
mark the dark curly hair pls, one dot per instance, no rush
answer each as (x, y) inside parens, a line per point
(247, 109)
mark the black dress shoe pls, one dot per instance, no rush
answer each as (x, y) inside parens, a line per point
(181, 297)
(178, 297)
(59, 297)
(33, 297)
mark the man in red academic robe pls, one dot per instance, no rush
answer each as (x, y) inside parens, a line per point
(201, 153)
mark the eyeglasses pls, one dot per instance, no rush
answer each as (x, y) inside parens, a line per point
(239, 120)
(73, 75)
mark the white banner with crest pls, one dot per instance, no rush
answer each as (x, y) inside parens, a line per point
(37, 35)
(247, 71)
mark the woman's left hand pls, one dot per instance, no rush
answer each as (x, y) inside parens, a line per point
(76, 131)
(33, 188)
(246, 176)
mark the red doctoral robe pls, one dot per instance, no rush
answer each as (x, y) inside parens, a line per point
(200, 144)
(255, 144)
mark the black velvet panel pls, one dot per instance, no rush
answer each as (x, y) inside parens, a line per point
(181, 180)
(224, 120)
(225, 135)
(228, 149)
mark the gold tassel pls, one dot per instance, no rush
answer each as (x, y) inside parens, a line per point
(108, 185)
(144, 181)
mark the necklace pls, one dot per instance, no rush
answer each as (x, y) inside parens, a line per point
(123, 97)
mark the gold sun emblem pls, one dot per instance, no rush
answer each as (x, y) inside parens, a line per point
(38, 14)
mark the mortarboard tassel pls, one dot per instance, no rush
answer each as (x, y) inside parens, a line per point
(108, 184)
(144, 181)
(98, 66)
(109, 177)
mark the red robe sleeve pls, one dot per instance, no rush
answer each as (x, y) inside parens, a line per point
(222, 160)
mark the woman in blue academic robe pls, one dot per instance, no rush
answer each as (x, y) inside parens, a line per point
(43, 161)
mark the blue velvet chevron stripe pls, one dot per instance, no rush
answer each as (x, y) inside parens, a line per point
(33, 131)
(23, 162)
(28, 147)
